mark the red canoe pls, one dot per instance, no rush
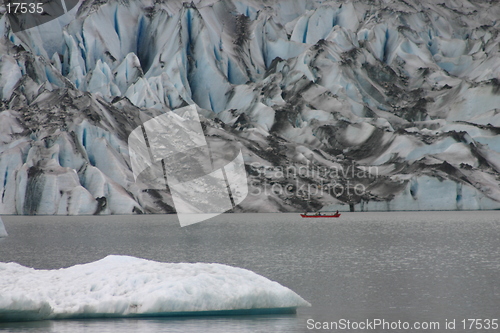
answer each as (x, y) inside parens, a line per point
(334, 215)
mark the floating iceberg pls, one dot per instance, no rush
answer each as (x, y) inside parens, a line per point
(3, 232)
(123, 286)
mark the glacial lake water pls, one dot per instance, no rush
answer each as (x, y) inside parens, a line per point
(411, 267)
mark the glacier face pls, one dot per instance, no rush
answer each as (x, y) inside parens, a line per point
(373, 104)
(122, 286)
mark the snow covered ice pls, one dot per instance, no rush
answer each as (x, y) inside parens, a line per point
(123, 286)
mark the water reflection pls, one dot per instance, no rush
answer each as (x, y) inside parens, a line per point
(396, 266)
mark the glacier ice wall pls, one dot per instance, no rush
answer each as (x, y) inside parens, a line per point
(371, 104)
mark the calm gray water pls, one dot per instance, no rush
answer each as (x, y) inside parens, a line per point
(409, 267)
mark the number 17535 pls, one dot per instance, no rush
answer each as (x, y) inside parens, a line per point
(478, 324)
(24, 8)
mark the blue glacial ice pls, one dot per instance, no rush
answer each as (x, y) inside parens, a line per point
(392, 85)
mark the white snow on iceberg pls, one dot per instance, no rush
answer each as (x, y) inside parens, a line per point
(123, 286)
